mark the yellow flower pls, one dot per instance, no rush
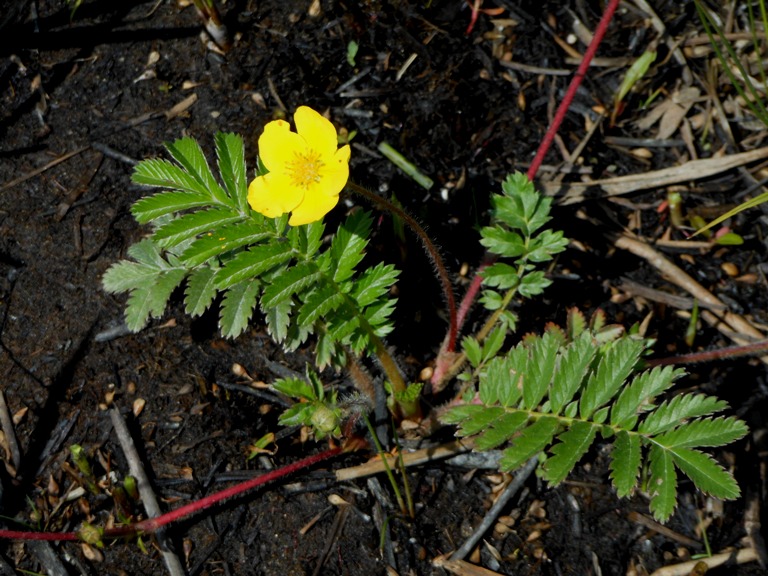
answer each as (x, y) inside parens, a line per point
(306, 170)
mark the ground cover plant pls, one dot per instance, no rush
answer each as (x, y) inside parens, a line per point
(310, 278)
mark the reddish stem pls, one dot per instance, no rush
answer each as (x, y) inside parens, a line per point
(544, 147)
(753, 349)
(581, 71)
(153, 524)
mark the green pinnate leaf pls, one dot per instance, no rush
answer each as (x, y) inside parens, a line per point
(164, 174)
(574, 362)
(279, 320)
(138, 308)
(200, 292)
(319, 302)
(502, 382)
(157, 205)
(704, 432)
(125, 275)
(493, 343)
(300, 414)
(540, 368)
(150, 300)
(458, 414)
(612, 371)
(706, 474)
(625, 463)
(291, 282)
(348, 245)
(480, 420)
(191, 225)
(491, 300)
(472, 350)
(237, 308)
(295, 388)
(187, 152)
(252, 263)
(148, 253)
(374, 283)
(502, 242)
(306, 240)
(533, 284)
(544, 246)
(231, 158)
(662, 483)
(528, 442)
(522, 207)
(501, 430)
(639, 395)
(343, 325)
(572, 445)
(222, 240)
(669, 414)
(500, 275)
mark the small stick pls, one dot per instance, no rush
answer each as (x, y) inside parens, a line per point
(520, 478)
(6, 423)
(409, 459)
(51, 164)
(684, 569)
(151, 506)
(661, 529)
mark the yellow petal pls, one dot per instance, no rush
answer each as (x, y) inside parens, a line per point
(317, 131)
(312, 209)
(278, 145)
(334, 175)
(333, 181)
(273, 195)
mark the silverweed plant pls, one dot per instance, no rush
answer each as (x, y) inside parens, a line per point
(262, 245)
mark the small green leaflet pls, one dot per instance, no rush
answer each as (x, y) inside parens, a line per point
(252, 263)
(150, 300)
(348, 245)
(231, 155)
(187, 152)
(625, 465)
(572, 445)
(237, 308)
(662, 484)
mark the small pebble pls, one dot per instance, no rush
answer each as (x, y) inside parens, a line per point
(138, 406)
(91, 553)
(730, 268)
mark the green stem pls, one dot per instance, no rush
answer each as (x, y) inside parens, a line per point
(492, 320)
(387, 469)
(388, 364)
(431, 249)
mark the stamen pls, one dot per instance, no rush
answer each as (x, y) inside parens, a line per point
(305, 169)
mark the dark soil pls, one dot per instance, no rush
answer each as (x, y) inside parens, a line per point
(458, 114)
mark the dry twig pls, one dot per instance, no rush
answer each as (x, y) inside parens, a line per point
(686, 568)
(490, 518)
(693, 170)
(409, 459)
(151, 506)
(6, 423)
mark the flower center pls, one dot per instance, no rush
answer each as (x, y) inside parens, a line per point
(305, 168)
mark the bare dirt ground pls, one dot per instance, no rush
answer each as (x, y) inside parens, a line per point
(109, 86)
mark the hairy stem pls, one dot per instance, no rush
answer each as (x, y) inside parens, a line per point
(388, 364)
(153, 524)
(431, 249)
(754, 349)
